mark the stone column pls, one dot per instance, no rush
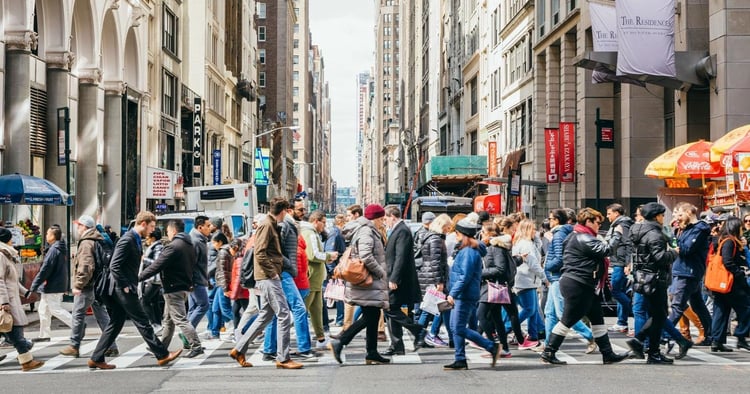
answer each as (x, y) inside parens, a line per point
(87, 150)
(58, 96)
(17, 98)
(113, 145)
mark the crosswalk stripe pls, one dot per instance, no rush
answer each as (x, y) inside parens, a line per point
(37, 346)
(61, 360)
(710, 358)
(188, 363)
(130, 357)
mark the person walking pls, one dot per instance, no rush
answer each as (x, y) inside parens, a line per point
(433, 271)
(175, 264)
(198, 300)
(335, 243)
(84, 264)
(150, 290)
(316, 259)
(621, 245)
(528, 279)
(367, 244)
(10, 301)
(122, 300)
(268, 263)
(52, 282)
(584, 276)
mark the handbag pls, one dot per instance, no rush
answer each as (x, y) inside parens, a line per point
(431, 301)
(335, 290)
(497, 293)
(718, 279)
(6, 321)
(352, 270)
(644, 282)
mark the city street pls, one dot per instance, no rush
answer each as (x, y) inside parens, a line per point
(415, 372)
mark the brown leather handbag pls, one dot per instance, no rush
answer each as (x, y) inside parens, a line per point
(352, 270)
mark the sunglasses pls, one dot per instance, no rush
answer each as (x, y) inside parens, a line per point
(747, 220)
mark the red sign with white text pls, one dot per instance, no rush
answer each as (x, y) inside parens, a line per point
(551, 151)
(492, 158)
(567, 152)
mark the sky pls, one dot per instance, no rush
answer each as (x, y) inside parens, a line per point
(343, 29)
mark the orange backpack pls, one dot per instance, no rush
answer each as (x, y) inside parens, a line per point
(718, 279)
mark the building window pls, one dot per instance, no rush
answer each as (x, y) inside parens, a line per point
(262, 56)
(166, 151)
(295, 107)
(473, 143)
(295, 122)
(296, 28)
(496, 88)
(295, 76)
(540, 17)
(261, 9)
(295, 59)
(519, 131)
(296, 12)
(296, 43)
(262, 79)
(555, 12)
(169, 38)
(496, 26)
(295, 91)
(386, 31)
(386, 58)
(387, 18)
(387, 44)
(474, 100)
(261, 33)
(169, 94)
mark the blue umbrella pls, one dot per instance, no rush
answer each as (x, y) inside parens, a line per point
(30, 190)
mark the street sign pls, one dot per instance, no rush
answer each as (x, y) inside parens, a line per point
(217, 166)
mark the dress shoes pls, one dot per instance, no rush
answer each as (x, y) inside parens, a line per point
(170, 357)
(393, 352)
(31, 365)
(240, 358)
(288, 364)
(100, 365)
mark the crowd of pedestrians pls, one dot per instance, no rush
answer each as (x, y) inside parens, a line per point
(484, 279)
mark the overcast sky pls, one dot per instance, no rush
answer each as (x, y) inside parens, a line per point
(343, 29)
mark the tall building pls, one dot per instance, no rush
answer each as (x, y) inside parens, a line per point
(363, 81)
(303, 114)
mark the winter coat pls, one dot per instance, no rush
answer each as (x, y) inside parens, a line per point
(316, 257)
(175, 263)
(335, 243)
(268, 257)
(289, 238)
(367, 244)
(693, 243)
(223, 267)
(302, 281)
(554, 262)
(466, 275)
(529, 274)
(10, 287)
(583, 257)
(84, 261)
(151, 254)
(651, 248)
(126, 260)
(237, 292)
(619, 241)
(419, 238)
(731, 257)
(434, 269)
(499, 266)
(200, 268)
(402, 271)
(52, 278)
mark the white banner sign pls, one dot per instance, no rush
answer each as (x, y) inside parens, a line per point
(160, 183)
(645, 37)
(603, 26)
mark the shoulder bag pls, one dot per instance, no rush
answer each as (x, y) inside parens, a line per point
(6, 321)
(352, 269)
(718, 279)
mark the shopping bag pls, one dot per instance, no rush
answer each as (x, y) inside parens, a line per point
(335, 290)
(431, 300)
(497, 293)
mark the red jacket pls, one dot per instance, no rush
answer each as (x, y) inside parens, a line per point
(236, 291)
(302, 281)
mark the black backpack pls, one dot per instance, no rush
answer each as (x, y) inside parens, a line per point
(247, 270)
(102, 279)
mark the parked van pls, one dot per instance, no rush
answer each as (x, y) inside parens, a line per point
(236, 221)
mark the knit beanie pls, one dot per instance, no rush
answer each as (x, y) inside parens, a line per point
(5, 235)
(374, 211)
(469, 225)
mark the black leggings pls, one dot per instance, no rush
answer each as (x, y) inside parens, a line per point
(238, 306)
(580, 300)
(369, 320)
(492, 324)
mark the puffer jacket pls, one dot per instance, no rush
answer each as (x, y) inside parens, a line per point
(223, 267)
(466, 274)
(10, 287)
(693, 243)
(368, 244)
(52, 278)
(288, 239)
(651, 248)
(583, 257)
(554, 262)
(499, 265)
(84, 261)
(200, 268)
(529, 274)
(618, 238)
(302, 281)
(434, 269)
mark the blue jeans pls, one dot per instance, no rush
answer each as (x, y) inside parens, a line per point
(220, 311)
(444, 316)
(15, 337)
(553, 310)
(339, 312)
(197, 304)
(686, 290)
(296, 303)
(459, 325)
(529, 310)
(619, 284)
(640, 315)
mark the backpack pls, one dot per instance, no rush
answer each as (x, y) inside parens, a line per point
(102, 279)
(247, 269)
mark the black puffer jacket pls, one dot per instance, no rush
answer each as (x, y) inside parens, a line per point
(288, 239)
(499, 266)
(651, 251)
(434, 269)
(583, 257)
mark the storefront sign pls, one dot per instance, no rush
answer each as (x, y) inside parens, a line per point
(551, 151)
(262, 166)
(743, 165)
(605, 134)
(645, 37)
(567, 152)
(515, 182)
(197, 141)
(160, 183)
(492, 158)
(730, 178)
(217, 166)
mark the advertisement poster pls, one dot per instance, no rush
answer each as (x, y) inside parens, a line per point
(567, 152)
(645, 37)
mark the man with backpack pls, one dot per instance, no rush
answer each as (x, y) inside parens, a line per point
(85, 263)
(621, 246)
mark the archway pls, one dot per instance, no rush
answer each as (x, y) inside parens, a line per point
(83, 38)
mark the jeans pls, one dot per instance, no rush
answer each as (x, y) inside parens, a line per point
(51, 305)
(339, 312)
(443, 317)
(553, 310)
(272, 304)
(459, 324)
(619, 284)
(121, 306)
(198, 304)
(686, 290)
(81, 303)
(641, 315)
(657, 310)
(529, 310)
(175, 315)
(296, 304)
(23, 346)
(220, 310)
(736, 299)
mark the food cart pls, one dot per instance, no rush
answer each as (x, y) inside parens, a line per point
(25, 194)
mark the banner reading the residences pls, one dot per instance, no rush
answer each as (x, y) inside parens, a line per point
(645, 37)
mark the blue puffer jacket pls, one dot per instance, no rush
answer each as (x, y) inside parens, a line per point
(693, 243)
(466, 273)
(554, 262)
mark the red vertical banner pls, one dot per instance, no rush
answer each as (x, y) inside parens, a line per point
(552, 152)
(567, 152)
(492, 158)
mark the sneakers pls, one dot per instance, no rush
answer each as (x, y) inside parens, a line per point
(70, 351)
(269, 356)
(618, 328)
(39, 340)
(457, 365)
(591, 347)
(288, 364)
(528, 344)
(304, 356)
(208, 335)
(321, 344)
(505, 354)
(112, 353)
(435, 341)
(195, 352)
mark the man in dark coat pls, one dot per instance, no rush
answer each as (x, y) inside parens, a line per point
(403, 284)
